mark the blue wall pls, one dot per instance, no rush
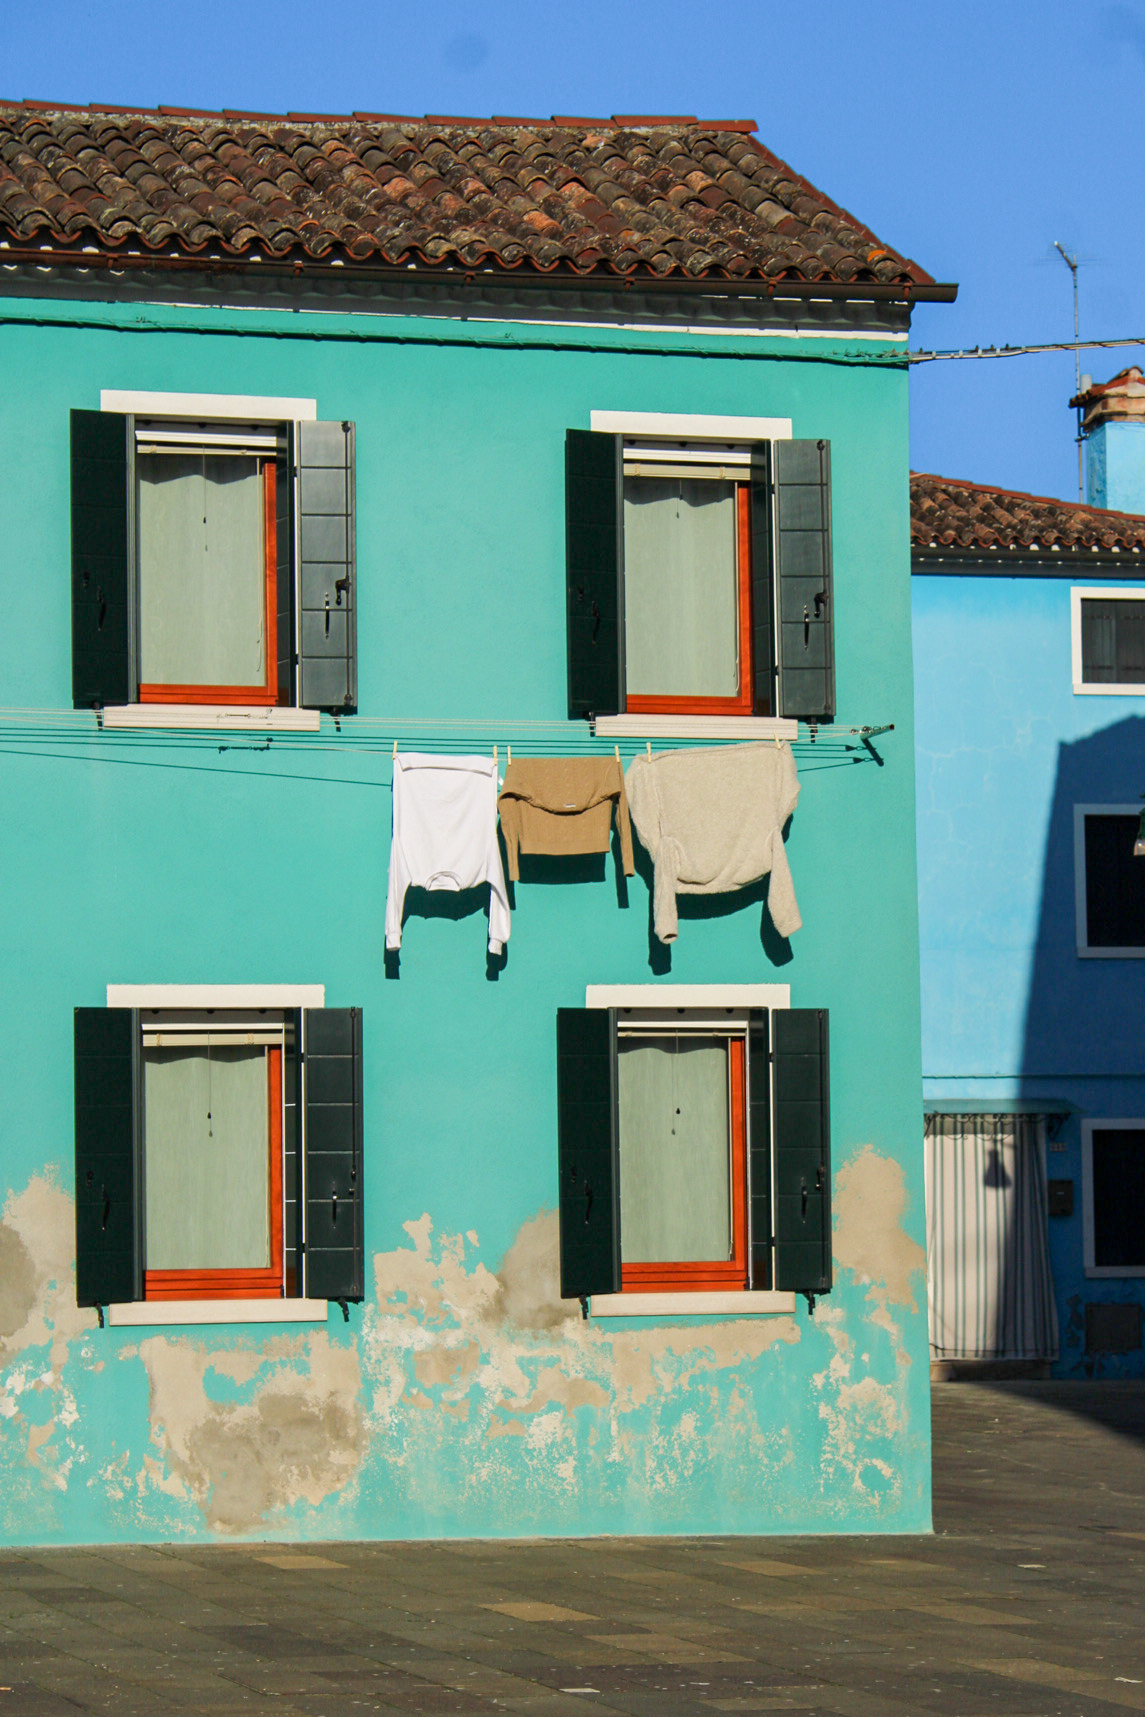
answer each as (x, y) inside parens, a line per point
(464, 1397)
(1010, 1013)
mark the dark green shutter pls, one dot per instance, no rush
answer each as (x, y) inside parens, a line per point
(107, 1061)
(327, 593)
(759, 1144)
(332, 1133)
(292, 1152)
(284, 630)
(800, 1084)
(102, 483)
(763, 668)
(588, 1151)
(594, 542)
(802, 486)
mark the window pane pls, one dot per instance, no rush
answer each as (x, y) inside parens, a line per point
(1114, 884)
(680, 587)
(206, 1156)
(1112, 641)
(1118, 1197)
(674, 1150)
(202, 575)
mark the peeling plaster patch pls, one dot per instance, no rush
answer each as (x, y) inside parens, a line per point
(299, 1438)
(38, 1310)
(529, 1279)
(870, 1201)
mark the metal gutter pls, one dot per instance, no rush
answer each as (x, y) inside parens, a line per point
(299, 268)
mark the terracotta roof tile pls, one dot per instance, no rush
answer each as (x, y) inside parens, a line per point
(954, 520)
(665, 196)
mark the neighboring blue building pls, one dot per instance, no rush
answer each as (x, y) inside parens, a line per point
(328, 445)
(1029, 639)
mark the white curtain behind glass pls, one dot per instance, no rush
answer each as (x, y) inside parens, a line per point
(674, 1150)
(207, 1180)
(202, 577)
(680, 587)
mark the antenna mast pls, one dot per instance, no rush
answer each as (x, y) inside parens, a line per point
(1071, 264)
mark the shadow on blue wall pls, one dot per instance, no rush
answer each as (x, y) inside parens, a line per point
(1084, 1033)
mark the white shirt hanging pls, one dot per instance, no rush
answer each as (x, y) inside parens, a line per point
(445, 836)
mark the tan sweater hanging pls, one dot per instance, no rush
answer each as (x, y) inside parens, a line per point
(563, 805)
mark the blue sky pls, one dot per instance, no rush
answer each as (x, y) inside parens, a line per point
(969, 135)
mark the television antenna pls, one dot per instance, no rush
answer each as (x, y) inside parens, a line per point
(1071, 264)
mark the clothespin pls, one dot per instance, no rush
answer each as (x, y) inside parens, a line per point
(648, 744)
(509, 753)
(616, 749)
(777, 742)
(395, 750)
(494, 757)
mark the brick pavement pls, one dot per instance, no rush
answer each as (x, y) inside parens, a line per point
(1027, 1602)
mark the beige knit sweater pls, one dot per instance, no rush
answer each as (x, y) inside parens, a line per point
(712, 820)
(563, 805)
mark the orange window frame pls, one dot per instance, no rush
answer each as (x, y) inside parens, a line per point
(246, 1284)
(721, 1273)
(744, 704)
(265, 694)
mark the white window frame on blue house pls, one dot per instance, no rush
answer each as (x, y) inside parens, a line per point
(1101, 1272)
(1108, 593)
(1080, 812)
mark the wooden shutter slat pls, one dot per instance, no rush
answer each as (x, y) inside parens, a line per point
(108, 1251)
(102, 509)
(325, 556)
(759, 1145)
(802, 1132)
(588, 1152)
(332, 1138)
(594, 573)
(803, 576)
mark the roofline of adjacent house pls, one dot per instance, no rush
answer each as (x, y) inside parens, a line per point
(562, 276)
(1008, 563)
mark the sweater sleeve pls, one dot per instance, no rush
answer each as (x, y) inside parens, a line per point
(624, 830)
(510, 808)
(398, 881)
(781, 900)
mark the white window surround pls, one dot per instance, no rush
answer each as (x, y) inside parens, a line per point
(202, 408)
(138, 1313)
(216, 995)
(1104, 1272)
(237, 407)
(676, 426)
(230, 718)
(1080, 812)
(695, 427)
(687, 996)
(695, 727)
(158, 1312)
(718, 1305)
(1108, 593)
(735, 1304)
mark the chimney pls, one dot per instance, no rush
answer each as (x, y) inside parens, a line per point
(1113, 423)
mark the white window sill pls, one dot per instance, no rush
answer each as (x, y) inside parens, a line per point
(233, 718)
(1112, 1273)
(695, 727)
(158, 1312)
(1111, 953)
(720, 1305)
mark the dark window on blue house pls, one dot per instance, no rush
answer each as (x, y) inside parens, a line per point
(1119, 1198)
(1114, 883)
(1112, 641)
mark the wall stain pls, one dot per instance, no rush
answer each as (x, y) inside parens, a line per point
(461, 1394)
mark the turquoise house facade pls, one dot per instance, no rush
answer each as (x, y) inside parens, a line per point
(203, 868)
